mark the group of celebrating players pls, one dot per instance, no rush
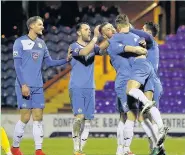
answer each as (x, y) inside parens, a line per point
(134, 55)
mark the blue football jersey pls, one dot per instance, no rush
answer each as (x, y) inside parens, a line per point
(119, 59)
(31, 54)
(82, 73)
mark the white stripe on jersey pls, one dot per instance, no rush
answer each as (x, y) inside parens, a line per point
(27, 44)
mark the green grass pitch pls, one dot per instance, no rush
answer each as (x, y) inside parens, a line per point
(100, 146)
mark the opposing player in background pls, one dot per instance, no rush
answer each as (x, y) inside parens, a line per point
(82, 84)
(5, 142)
(29, 52)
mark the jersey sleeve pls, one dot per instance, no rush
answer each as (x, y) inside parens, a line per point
(143, 34)
(19, 70)
(46, 51)
(17, 49)
(115, 47)
(17, 55)
(97, 50)
(75, 49)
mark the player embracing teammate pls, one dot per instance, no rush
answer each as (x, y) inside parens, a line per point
(136, 80)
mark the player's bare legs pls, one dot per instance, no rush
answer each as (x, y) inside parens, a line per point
(37, 115)
(133, 90)
(19, 130)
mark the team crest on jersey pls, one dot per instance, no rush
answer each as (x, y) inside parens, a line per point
(24, 105)
(15, 53)
(35, 55)
(77, 50)
(80, 110)
(40, 45)
(135, 39)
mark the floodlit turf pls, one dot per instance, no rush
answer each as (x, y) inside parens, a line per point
(100, 146)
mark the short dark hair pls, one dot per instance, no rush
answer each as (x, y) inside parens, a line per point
(122, 19)
(154, 28)
(101, 26)
(79, 25)
(31, 20)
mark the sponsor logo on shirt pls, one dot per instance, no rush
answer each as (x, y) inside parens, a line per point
(35, 55)
(15, 53)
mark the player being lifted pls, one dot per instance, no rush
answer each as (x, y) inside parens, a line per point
(81, 88)
(29, 52)
(119, 60)
(150, 30)
(121, 64)
(137, 78)
(106, 33)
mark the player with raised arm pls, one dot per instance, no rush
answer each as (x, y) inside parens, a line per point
(144, 125)
(141, 71)
(120, 62)
(137, 79)
(82, 84)
(29, 52)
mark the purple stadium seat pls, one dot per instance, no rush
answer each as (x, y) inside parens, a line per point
(55, 39)
(100, 94)
(92, 21)
(68, 39)
(4, 48)
(65, 29)
(48, 36)
(181, 37)
(61, 36)
(181, 29)
(74, 36)
(171, 38)
(54, 30)
(109, 85)
(62, 46)
(10, 100)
